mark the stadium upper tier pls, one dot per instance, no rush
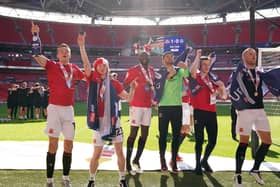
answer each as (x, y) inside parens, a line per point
(17, 31)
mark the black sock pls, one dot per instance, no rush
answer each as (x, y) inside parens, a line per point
(181, 138)
(208, 150)
(129, 149)
(66, 160)
(260, 154)
(50, 164)
(140, 148)
(240, 156)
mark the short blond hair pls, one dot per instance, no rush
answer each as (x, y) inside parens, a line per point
(246, 51)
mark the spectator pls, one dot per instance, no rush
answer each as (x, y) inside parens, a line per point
(12, 101)
(22, 100)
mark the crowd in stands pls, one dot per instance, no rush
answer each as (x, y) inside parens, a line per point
(27, 101)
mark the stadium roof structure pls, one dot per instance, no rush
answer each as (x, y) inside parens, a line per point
(162, 9)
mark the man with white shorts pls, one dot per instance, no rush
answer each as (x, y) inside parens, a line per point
(102, 115)
(187, 114)
(61, 80)
(249, 113)
(140, 111)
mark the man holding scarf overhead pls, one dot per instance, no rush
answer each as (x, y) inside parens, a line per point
(247, 97)
(102, 114)
(204, 90)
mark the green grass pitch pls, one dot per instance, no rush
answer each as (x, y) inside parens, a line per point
(33, 131)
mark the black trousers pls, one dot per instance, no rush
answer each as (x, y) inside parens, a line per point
(172, 114)
(205, 119)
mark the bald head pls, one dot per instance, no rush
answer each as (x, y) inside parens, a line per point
(249, 57)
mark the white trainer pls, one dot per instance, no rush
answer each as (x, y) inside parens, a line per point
(137, 168)
(66, 183)
(237, 180)
(257, 176)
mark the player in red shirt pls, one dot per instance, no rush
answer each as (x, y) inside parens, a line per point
(204, 104)
(100, 116)
(140, 111)
(61, 78)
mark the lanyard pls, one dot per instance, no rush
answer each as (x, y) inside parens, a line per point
(68, 78)
(147, 76)
(208, 83)
(255, 82)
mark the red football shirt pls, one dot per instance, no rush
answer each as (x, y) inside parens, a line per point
(143, 94)
(201, 100)
(60, 94)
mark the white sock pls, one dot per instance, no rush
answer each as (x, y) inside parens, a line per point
(65, 177)
(122, 175)
(92, 176)
(50, 180)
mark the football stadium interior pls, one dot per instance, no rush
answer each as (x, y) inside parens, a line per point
(119, 30)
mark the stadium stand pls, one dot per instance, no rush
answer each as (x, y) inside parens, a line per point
(16, 32)
(101, 36)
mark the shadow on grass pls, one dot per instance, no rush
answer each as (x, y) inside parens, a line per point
(213, 180)
(135, 179)
(272, 154)
(17, 121)
(277, 174)
(275, 144)
(189, 178)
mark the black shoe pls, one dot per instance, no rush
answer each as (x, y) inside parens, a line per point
(237, 180)
(198, 170)
(90, 183)
(174, 167)
(123, 183)
(206, 166)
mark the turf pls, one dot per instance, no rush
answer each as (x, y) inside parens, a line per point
(33, 131)
(31, 178)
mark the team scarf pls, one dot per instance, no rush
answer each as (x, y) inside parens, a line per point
(160, 76)
(271, 80)
(209, 81)
(68, 77)
(238, 93)
(107, 124)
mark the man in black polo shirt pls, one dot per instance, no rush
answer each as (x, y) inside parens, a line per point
(247, 98)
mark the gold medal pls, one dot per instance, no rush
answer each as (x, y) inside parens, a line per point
(256, 94)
